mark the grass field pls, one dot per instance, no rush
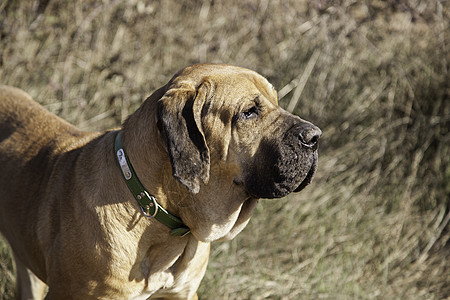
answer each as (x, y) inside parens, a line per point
(374, 75)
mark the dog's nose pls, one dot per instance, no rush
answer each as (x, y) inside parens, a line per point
(309, 135)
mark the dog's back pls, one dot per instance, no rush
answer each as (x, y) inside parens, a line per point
(24, 122)
(30, 140)
(34, 146)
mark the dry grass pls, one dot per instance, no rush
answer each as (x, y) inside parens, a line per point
(374, 75)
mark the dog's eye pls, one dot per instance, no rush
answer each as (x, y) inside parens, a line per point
(250, 113)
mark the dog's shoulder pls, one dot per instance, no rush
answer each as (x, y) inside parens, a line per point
(15, 104)
(6, 90)
(25, 124)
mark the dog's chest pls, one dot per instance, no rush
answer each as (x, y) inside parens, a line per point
(179, 276)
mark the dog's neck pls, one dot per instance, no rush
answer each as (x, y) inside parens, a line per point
(145, 148)
(209, 220)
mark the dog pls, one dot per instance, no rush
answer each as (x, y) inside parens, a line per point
(130, 213)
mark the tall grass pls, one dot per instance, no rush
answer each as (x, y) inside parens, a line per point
(374, 75)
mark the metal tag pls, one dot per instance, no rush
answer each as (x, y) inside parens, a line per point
(123, 164)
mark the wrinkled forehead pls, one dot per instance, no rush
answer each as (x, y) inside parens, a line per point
(229, 81)
(242, 87)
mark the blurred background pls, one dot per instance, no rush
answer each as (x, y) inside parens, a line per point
(374, 75)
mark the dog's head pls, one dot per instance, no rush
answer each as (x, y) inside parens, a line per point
(213, 114)
(229, 144)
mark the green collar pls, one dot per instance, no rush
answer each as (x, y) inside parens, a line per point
(149, 206)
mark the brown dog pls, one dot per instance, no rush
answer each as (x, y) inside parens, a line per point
(206, 146)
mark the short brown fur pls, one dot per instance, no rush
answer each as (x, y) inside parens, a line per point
(73, 224)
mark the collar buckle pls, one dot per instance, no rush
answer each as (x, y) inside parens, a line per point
(147, 202)
(148, 207)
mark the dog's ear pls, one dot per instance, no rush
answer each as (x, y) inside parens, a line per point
(180, 112)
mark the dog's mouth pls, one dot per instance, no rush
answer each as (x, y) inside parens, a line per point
(282, 178)
(309, 176)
